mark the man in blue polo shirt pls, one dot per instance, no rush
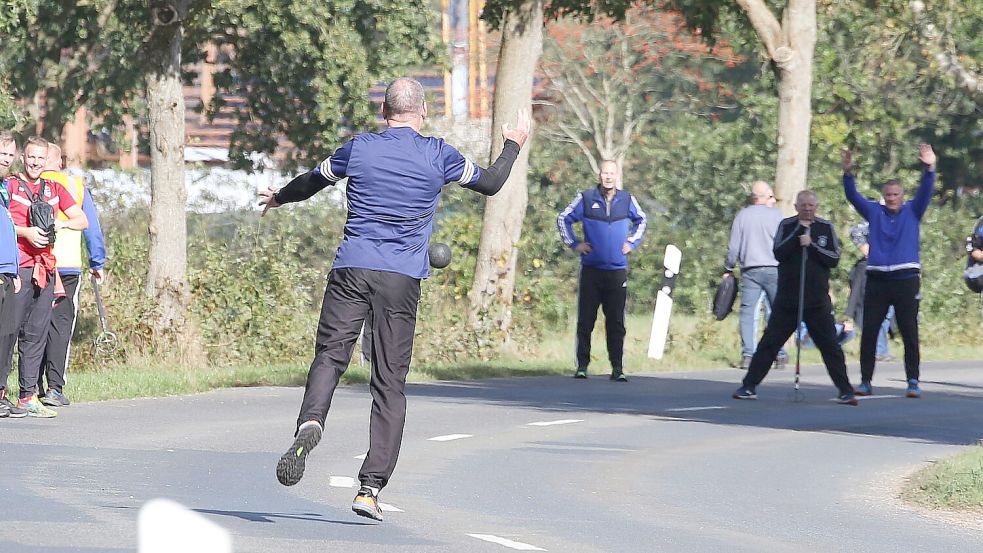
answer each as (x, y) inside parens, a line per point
(394, 182)
(893, 265)
(613, 225)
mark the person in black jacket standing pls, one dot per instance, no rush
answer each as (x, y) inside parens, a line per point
(815, 238)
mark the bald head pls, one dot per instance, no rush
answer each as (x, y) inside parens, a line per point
(404, 97)
(53, 161)
(761, 193)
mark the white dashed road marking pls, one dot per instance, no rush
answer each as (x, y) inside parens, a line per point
(389, 508)
(449, 437)
(361, 457)
(517, 545)
(341, 482)
(889, 396)
(684, 409)
(554, 423)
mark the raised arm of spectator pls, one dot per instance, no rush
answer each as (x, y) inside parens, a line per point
(861, 204)
(927, 185)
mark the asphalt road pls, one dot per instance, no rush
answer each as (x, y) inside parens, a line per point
(663, 463)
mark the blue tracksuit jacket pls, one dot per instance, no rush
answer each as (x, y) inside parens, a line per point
(607, 227)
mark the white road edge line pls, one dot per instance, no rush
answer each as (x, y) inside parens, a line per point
(517, 545)
(449, 437)
(889, 396)
(341, 482)
(684, 409)
(554, 423)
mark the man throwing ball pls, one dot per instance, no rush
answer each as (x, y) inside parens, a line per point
(394, 181)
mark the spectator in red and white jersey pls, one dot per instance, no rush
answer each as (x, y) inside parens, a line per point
(29, 193)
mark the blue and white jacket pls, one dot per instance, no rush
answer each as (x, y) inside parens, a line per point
(894, 237)
(607, 226)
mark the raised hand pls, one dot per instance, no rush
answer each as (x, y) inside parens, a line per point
(927, 155)
(521, 131)
(267, 199)
(847, 161)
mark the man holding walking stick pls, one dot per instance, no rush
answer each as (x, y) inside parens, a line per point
(806, 248)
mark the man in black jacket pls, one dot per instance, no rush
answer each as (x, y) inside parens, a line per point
(814, 238)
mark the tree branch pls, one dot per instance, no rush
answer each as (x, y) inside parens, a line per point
(932, 40)
(767, 27)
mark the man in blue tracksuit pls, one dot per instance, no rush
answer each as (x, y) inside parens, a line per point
(893, 265)
(613, 225)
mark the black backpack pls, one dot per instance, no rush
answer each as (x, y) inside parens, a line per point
(40, 214)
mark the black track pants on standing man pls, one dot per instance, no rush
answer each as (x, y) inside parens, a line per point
(609, 290)
(879, 295)
(58, 344)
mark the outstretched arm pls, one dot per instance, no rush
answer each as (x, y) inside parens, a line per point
(491, 180)
(927, 185)
(328, 172)
(850, 186)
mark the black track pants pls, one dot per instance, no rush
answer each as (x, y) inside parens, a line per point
(781, 325)
(393, 299)
(609, 290)
(58, 345)
(904, 295)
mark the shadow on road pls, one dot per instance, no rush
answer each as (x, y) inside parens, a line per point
(949, 413)
(252, 516)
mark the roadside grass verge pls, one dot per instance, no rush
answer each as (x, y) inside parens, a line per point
(694, 343)
(953, 484)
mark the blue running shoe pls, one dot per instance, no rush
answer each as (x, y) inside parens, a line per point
(744, 392)
(864, 389)
(847, 399)
(913, 390)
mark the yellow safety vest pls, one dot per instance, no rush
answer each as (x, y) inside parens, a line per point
(68, 242)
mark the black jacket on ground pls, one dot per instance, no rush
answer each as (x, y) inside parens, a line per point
(821, 256)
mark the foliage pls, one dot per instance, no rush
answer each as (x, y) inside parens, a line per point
(305, 68)
(954, 483)
(611, 80)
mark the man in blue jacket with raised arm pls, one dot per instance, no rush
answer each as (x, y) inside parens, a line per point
(613, 225)
(893, 265)
(394, 182)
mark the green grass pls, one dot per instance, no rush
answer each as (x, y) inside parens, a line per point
(694, 343)
(955, 483)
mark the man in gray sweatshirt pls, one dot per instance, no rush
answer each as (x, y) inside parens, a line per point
(752, 237)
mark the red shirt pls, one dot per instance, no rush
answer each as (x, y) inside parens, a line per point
(20, 205)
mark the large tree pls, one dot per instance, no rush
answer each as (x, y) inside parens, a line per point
(494, 275)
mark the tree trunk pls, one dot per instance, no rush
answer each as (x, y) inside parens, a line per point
(790, 45)
(494, 280)
(166, 278)
(794, 63)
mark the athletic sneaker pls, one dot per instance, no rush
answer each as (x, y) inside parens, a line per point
(913, 390)
(847, 399)
(366, 504)
(744, 392)
(290, 468)
(14, 411)
(35, 408)
(581, 373)
(863, 389)
(618, 375)
(780, 363)
(745, 362)
(55, 398)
